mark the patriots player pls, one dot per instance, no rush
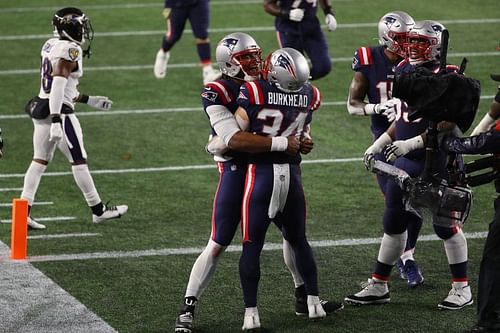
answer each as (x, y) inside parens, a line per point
(54, 119)
(409, 155)
(176, 13)
(239, 58)
(373, 77)
(298, 27)
(280, 104)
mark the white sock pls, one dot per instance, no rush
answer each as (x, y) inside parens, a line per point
(407, 255)
(84, 180)
(289, 257)
(204, 269)
(32, 181)
(456, 248)
(391, 248)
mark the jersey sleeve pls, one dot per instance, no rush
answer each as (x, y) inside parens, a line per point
(244, 98)
(362, 58)
(315, 98)
(215, 93)
(67, 51)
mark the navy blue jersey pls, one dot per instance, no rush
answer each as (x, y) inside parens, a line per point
(273, 112)
(309, 7)
(379, 72)
(222, 92)
(180, 3)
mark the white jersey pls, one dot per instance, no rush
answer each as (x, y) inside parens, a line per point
(53, 50)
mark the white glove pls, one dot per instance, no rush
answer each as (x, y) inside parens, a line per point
(388, 108)
(296, 14)
(331, 22)
(56, 132)
(100, 102)
(402, 147)
(484, 125)
(216, 145)
(375, 148)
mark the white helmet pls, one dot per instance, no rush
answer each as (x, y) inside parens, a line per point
(287, 68)
(392, 31)
(425, 41)
(238, 54)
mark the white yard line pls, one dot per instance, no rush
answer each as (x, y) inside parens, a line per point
(194, 65)
(45, 219)
(84, 234)
(39, 203)
(32, 303)
(14, 189)
(231, 248)
(162, 110)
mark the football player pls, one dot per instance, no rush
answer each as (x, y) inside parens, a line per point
(239, 58)
(53, 115)
(176, 13)
(373, 77)
(280, 104)
(409, 155)
(298, 27)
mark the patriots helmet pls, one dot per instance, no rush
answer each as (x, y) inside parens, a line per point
(393, 28)
(424, 42)
(239, 56)
(286, 68)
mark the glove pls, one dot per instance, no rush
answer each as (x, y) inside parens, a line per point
(375, 148)
(296, 14)
(100, 102)
(331, 22)
(216, 146)
(402, 147)
(388, 108)
(56, 132)
(1, 144)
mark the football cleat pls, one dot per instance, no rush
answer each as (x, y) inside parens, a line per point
(301, 308)
(184, 321)
(161, 61)
(401, 268)
(373, 292)
(413, 274)
(457, 298)
(110, 212)
(34, 225)
(251, 321)
(210, 74)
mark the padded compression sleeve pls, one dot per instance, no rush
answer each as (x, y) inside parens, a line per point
(57, 94)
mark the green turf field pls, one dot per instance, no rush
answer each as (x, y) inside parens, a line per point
(148, 152)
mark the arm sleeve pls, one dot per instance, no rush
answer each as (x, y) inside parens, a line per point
(484, 143)
(222, 121)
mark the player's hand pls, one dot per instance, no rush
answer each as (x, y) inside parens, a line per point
(402, 147)
(331, 22)
(100, 102)
(293, 145)
(306, 145)
(56, 132)
(296, 14)
(216, 146)
(388, 108)
(369, 156)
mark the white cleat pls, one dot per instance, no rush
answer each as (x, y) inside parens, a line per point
(32, 224)
(315, 307)
(210, 74)
(161, 61)
(373, 292)
(251, 320)
(110, 212)
(457, 298)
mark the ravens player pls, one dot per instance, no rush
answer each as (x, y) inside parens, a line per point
(280, 104)
(239, 58)
(373, 77)
(297, 26)
(409, 155)
(52, 112)
(176, 13)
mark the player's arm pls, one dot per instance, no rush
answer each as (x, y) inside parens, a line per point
(294, 14)
(357, 92)
(330, 20)
(98, 102)
(490, 117)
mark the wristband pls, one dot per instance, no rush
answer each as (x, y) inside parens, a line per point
(285, 13)
(369, 109)
(83, 98)
(279, 143)
(328, 10)
(56, 119)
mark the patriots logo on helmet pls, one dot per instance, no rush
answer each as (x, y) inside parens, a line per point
(285, 63)
(389, 20)
(437, 28)
(230, 43)
(210, 95)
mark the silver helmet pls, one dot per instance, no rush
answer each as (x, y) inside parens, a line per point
(238, 55)
(425, 41)
(287, 68)
(392, 31)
